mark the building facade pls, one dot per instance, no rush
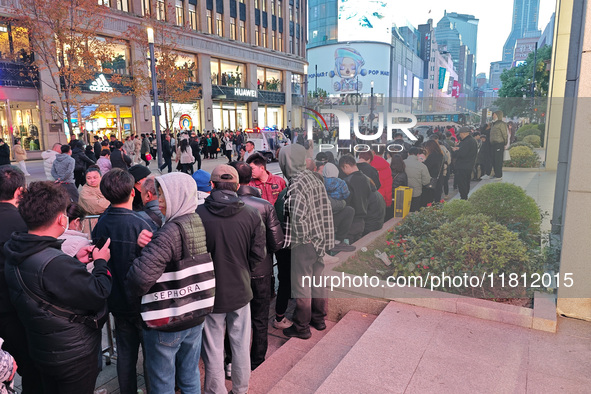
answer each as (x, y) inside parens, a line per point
(249, 56)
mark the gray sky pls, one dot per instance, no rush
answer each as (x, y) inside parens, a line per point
(493, 28)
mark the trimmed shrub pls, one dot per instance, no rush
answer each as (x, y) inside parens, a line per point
(510, 206)
(456, 208)
(526, 133)
(533, 140)
(526, 127)
(477, 244)
(522, 157)
(522, 143)
(418, 224)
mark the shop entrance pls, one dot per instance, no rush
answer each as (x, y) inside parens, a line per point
(231, 116)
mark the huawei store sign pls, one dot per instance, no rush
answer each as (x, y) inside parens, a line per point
(101, 85)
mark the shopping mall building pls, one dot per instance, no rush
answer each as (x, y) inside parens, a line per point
(249, 56)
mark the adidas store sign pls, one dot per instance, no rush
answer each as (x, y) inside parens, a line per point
(100, 85)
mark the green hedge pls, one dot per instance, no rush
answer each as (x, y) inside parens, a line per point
(534, 140)
(522, 157)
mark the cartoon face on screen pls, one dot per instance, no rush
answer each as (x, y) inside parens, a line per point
(348, 66)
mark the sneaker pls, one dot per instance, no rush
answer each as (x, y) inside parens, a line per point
(498, 178)
(228, 369)
(292, 332)
(485, 177)
(282, 324)
(101, 391)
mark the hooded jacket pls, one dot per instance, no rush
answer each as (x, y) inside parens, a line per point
(54, 340)
(63, 168)
(82, 161)
(166, 247)
(236, 242)
(48, 157)
(292, 159)
(274, 234)
(120, 159)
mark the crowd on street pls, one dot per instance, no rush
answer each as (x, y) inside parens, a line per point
(184, 261)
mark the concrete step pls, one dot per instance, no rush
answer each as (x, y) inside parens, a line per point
(315, 366)
(269, 373)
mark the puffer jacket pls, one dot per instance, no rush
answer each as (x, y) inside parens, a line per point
(274, 233)
(163, 251)
(48, 158)
(498, 133)
(236, 240)
(336, 188)
(385, 174)
(63, 168)
(55, 341)
(7, 369)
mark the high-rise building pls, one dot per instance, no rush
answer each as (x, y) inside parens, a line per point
(524, 24)
(323, 22)
(467, 26)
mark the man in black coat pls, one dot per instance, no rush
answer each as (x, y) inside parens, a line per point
(118, 158)
(166, 154)
(360, 188)
(62, 321)
(196, 151)
(97, 147)
(465, 155)
(12, 185)
(4, 153)
(261, 279)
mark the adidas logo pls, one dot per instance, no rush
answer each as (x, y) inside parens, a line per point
(100, 85)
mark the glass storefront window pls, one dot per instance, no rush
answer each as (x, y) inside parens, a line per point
(189, 62)
(26, 124)
(14, 42)
(227, 73)
(268, 79)
(270, 116)
(120, 59)
(101, 120)
(296, 83)
(233, 116)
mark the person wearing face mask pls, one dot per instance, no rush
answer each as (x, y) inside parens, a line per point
(63, 322)
(74, 237)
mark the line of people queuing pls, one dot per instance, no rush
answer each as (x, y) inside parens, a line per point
(179, 273)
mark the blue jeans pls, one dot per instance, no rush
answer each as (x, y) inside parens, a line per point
(173, 356)
(238, 325)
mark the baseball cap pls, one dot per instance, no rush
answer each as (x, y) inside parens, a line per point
(224, 173)
(202, 179)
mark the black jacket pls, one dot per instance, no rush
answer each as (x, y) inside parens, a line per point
(11, 222)
(64, 282)
(120, 159)
(166, 149)
(399, 179)
(4, 154)
(360, 188)
(371, 173)
(123, 227)
(252, 197)
(403, 153)
(466, 155)
(195, 149)
(236, 241)
(434, 164)
(82, 161)
(97, 149)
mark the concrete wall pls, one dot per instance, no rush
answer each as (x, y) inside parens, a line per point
(576, 248)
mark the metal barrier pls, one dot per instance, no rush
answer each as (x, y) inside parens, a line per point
(110, 349)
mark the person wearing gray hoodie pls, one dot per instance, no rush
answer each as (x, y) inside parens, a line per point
(175, 278)
(62, 171)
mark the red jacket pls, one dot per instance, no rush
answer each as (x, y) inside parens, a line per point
(385, 173)
(274, 185)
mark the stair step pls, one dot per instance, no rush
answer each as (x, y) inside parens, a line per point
(315, 366)
(269, 373)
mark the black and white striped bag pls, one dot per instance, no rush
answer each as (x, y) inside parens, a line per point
(184, 293)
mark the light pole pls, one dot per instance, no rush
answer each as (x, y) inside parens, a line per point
(371, 109)
(155, 93)
(305, 93)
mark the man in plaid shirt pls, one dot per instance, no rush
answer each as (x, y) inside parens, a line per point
(309, 232)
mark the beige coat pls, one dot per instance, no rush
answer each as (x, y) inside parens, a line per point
(92, 200)
(20, 154)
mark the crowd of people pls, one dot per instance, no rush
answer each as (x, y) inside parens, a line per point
(184, 262)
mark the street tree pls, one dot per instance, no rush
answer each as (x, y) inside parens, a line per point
(64, 41)
(515, 95)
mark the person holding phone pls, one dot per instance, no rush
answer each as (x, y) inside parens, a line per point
(63, 322)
